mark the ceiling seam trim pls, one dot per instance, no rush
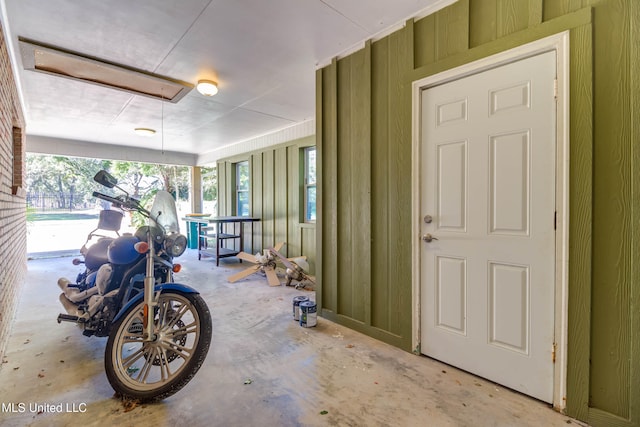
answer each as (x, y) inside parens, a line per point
(344, 16)
(155, 70)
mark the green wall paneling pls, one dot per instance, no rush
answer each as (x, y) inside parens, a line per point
(493, 19)
(611, 286)
(275, 189)
(442, 34)
(382, 288)
(309, 245)
(268, 199)
(327, 123)
(354, 191)
(399, 140)
(634, 79)
(320, 120)
(556, 8)
(280, 195)
(580, 233)
(346, 296)
(359, 280)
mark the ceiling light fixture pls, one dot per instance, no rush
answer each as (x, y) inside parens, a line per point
(207, 87)
(55, 61)
(144, 131)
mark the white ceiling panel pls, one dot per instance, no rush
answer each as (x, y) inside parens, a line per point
(262, 53)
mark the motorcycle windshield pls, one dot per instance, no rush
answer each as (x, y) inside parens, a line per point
(164, 214)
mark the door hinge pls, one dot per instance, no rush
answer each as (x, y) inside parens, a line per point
(555, 220)
(555, 88)
(553, 352)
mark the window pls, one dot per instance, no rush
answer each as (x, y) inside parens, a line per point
(209, 177)
(310, 184)
(242, 188)
(17, 155)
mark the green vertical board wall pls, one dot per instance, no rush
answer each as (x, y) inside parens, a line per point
(276, 198)
(610, 337)
(365, 153)
(580, 208)
(391, 187)
(358, 230)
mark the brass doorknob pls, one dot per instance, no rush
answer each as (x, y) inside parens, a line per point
(428, 238)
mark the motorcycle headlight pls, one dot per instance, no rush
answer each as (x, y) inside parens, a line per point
(175, 244)
(156, 234)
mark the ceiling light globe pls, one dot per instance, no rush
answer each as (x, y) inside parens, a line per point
(207, 87)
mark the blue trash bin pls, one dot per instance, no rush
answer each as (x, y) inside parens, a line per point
(192, 235)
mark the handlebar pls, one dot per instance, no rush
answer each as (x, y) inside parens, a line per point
(107, 198)
(128, 203)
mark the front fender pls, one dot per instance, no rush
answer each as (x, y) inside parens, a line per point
(163, 287)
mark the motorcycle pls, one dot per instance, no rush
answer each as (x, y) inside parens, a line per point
(158, 331)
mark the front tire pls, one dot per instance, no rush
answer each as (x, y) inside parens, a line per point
(154, 370)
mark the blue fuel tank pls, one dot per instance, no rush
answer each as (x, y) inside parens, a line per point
(121, 250)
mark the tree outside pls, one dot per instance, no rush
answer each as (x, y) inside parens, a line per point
(60, 183)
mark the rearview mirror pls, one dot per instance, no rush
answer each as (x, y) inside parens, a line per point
(105, 178)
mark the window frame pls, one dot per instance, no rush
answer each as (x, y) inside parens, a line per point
(17, 161)
(238, 191)
(307, 185)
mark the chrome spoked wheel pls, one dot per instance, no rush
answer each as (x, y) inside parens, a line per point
(157, 368)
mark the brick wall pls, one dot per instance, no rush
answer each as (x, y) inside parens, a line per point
(13, 226)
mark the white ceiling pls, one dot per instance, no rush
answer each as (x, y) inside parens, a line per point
(263, 53)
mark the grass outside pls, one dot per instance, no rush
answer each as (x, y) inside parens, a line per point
(60, 216)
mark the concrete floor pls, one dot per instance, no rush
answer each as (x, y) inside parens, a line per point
(322, 376)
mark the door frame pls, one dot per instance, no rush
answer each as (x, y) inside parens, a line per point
(560, 44)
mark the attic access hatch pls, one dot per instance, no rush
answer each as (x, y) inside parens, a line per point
(62, 63)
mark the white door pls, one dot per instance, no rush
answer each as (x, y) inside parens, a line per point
(488, 184)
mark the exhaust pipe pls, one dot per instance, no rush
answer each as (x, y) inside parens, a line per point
(73, 314)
